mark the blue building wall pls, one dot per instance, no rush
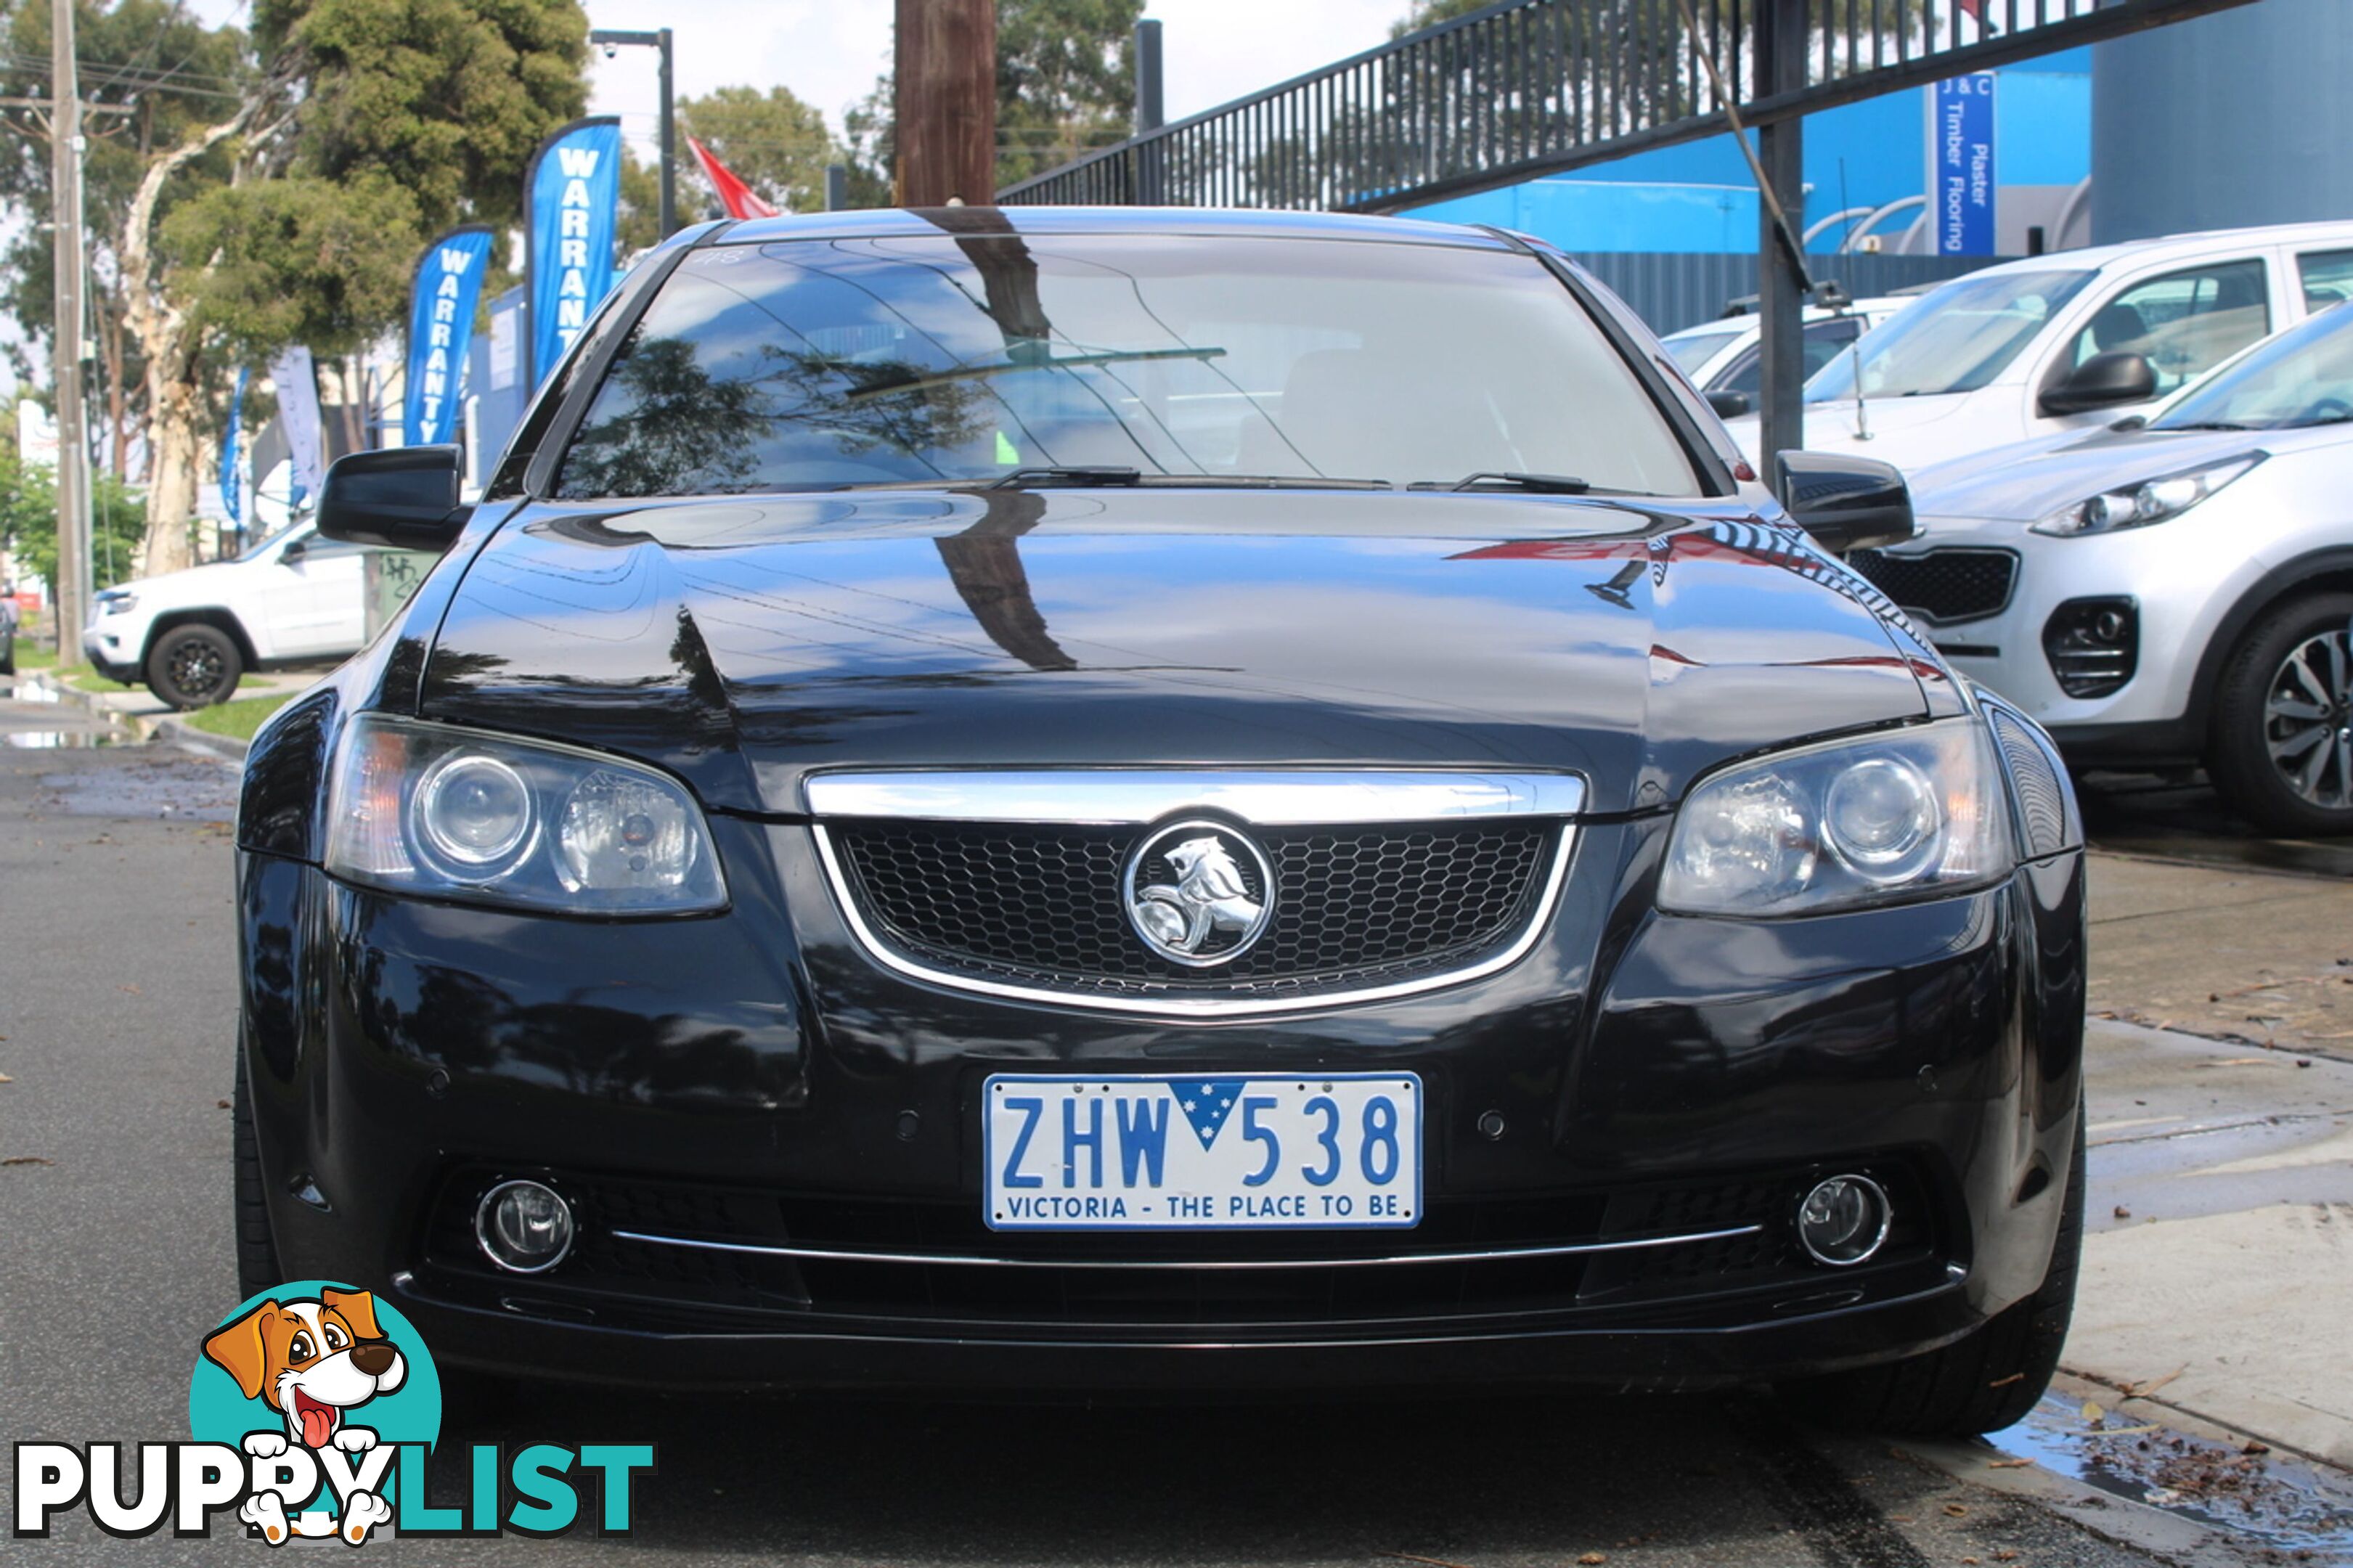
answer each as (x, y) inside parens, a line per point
(1699, 197)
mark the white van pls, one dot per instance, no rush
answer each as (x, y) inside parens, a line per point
(2050, 343)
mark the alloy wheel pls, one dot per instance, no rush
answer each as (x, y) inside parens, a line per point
(196, 668)
(2308, 719)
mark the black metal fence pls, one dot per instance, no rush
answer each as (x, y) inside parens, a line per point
(1673, 290)
(1533, 87)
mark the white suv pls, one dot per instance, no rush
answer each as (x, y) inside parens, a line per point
(2172, 591)
(191, 634)
(2065, 341)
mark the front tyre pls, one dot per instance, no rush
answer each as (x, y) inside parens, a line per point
(1981, 1383)
(2282, 748)
(193, 665)
(256, 1248)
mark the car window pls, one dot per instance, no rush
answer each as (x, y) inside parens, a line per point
(926, 358)
(1956, 339)
(1693, 350)
(2303, 376)
(2184, 324)
(1822, 342)
(2326, 277)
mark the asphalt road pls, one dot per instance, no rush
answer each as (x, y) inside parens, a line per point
(116, 1021)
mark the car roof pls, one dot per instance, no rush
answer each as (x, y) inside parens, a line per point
(890, 222)
(2091, 256)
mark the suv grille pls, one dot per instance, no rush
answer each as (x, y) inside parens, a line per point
(1943, 584)
(1041, 905)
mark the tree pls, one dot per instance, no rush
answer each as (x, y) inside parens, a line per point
(777, 144)
(272, 188)
(1065, 84)
(28, 521)
(167, 73)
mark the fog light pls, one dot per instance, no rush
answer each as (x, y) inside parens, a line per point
(1843, 1220)
(524, 1228)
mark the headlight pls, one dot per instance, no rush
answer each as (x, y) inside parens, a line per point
(117, 604)
(445, 812)
(2135, 506)
(1852, 822)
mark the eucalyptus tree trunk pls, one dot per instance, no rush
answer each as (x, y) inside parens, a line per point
(171, 344)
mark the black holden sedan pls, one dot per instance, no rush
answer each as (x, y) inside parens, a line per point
(1158, 800)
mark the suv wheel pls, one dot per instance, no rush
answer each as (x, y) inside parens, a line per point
(192, 666)
(2282, 748)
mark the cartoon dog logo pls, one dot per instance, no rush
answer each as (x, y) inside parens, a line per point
(310, 1361)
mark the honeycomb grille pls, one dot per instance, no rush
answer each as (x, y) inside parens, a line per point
(1942, 584)
(1041, 905)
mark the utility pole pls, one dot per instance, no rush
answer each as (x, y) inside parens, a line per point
(1150, 113)
(1781, 61)
(611, 40)
(71, 589)
(944, 99)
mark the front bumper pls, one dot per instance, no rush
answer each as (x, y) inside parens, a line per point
(2177, 601)
(756, 1077)
(109, 650)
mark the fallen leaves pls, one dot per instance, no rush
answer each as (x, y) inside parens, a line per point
(2143, 1390)
(27, 1159)
(2008, 1463)
(1956, 1510)
(2094, 1412)
(2006, 1381)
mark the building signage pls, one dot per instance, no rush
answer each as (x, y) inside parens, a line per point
(1961, 165)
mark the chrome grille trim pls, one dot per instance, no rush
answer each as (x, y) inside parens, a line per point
(1116, 798)
(957, 1260)
(1192, 1010)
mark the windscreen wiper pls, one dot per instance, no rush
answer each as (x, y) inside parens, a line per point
(1023, 479)
(1041, 362)
(1542, 484)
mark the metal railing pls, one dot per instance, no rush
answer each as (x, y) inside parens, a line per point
(1533, 87)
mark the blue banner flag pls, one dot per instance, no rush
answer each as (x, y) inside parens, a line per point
(1961, 165)
(440, 328)
(232, 459)
(571, 198)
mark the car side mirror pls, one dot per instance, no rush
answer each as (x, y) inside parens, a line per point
(2104, 381)
(295, 550)
(1846, 503)
(402, 498)
(1731, 405)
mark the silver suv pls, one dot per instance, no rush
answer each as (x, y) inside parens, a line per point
(2172, 591)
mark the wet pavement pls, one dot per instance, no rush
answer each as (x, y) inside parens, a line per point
(2181, 818)
(116, 1018)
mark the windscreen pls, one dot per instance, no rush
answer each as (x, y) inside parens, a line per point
(825, 364)
(1956, 339)
(2303, 376)
(1692, 350)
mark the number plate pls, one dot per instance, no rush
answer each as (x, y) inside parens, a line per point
(1245, 1152)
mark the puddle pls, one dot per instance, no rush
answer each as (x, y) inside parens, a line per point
(2289, 1504)
(61, 740)
(2171, 820)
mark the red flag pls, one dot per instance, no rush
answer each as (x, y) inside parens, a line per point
(740, 199)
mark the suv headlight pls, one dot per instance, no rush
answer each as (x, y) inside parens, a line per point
(114, 601)
(445, 812)
(1884, 816)
(2153, 500)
